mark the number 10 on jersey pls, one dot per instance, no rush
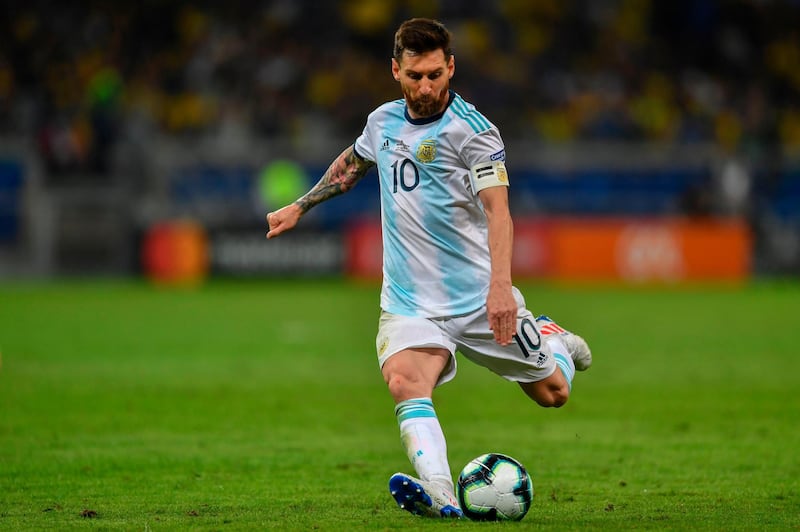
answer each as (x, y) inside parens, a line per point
(406, 178)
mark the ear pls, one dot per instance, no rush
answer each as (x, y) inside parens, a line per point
(451, 67)
(395, 69)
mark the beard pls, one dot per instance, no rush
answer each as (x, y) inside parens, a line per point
(426, 106)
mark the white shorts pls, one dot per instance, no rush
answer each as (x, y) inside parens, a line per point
(526, 359)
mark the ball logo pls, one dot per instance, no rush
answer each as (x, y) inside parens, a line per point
(426, 152)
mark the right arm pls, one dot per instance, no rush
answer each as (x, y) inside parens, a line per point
(342, 175)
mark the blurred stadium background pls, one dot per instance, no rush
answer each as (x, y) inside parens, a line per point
(646, 141)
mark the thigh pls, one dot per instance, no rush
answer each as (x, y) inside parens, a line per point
(525, 360)
(414, 373)
(398, 334)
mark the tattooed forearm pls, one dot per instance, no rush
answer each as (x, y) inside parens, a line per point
(341, 176)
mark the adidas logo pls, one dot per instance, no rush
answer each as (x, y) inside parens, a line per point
(385, 145)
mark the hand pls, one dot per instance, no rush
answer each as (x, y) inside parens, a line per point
(283, 219)
(501, 308)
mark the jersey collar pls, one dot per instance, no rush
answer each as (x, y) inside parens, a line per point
(433, 118)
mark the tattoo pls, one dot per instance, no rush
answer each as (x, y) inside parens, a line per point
(341, 176)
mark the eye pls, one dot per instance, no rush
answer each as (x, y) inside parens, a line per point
(435, 75)
(415, 76)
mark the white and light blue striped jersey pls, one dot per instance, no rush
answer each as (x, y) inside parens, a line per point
(436, 255)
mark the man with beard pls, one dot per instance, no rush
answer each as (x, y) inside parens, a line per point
(447, 239)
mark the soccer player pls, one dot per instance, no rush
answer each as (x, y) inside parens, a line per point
(447, 239)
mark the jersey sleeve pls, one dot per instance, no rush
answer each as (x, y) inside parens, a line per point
(485, 156)
(363, 146)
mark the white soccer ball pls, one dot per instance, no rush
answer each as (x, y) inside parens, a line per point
(494, 487)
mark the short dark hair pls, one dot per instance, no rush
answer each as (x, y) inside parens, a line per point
(420, 35)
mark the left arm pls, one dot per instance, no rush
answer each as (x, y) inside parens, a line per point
(341, 176)
(501, 306)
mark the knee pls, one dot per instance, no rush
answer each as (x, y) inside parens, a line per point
(548, 395)
(396, 384)
(401, 386)
(414, 373)
(553, 399)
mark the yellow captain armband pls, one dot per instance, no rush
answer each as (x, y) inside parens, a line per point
(489, 174)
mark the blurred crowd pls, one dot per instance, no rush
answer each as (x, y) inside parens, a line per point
(77, 77)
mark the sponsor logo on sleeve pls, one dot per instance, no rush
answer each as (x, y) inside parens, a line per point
(499, 156)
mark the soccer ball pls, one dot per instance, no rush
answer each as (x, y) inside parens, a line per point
(494, 487)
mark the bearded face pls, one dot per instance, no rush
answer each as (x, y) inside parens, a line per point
(425, 81)
(425, 105)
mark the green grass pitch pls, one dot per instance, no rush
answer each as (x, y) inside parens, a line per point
(259, 405)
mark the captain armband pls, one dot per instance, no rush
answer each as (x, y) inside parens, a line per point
(489, 174)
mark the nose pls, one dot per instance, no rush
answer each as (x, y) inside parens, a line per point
(425, 86)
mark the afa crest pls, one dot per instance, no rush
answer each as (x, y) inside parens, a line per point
(502, 175)
(426, 152)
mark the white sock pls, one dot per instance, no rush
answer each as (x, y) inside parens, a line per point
(562, 356)
(424, 440)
